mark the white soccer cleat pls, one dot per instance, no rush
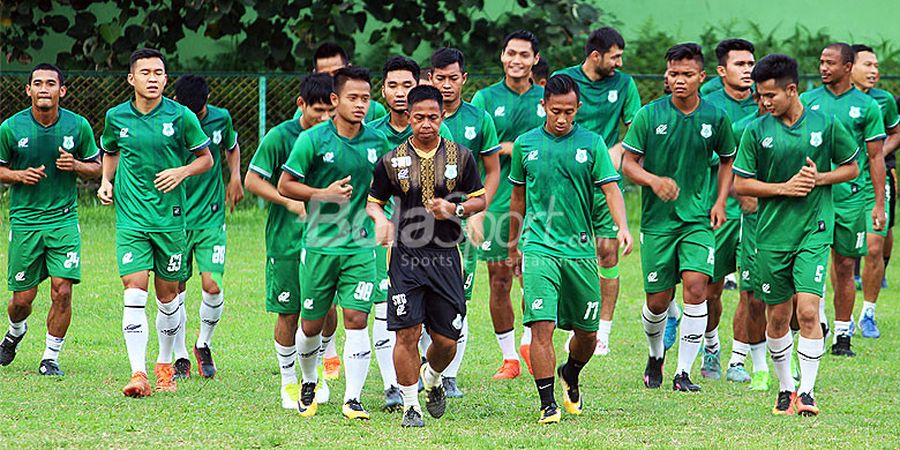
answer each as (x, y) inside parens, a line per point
(323, 393)
(289, 395)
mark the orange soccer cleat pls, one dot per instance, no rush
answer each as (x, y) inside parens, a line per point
(525, 351)
(138, 387)
(164, 377)
(332, 367)
(509, 370)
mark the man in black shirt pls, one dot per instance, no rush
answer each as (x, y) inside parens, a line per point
(437, 184)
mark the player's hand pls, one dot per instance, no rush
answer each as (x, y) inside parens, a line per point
(878, 219)
(384, 232)
(749, 205)
(626, 242)
(717, 216)
(666, 189)
(234, 193)
(514, 260)
(66, 161)
(169, 179)
(800, 184)
(32, 175)
(475, 229)
(811, 170)
(442, 209)
(105, 193)
(339, 191)
(296, 207)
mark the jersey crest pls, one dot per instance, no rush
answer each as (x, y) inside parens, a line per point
(217, 137)
(581, 155)
(540, 111)
(450, 172)
(612, 96)
(372, 155)
(855, 112)
(706, 130)
(168, 129)
(815, 138)
(470, 133)
(68, 142)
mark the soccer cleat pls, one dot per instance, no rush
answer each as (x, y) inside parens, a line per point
(332, 367)
(205, 365)
(412, 417)
(8, 347)
(712, 366)
(550, 414)
(602, 348)
(50, 368)
(435, 398)
(525, 351)
(509, 370)
(805, 405)
(307, 404)
(182, 369)
(737, 374)
(572, 400)
(354, 410)
(393, 401)
(671, 334)
(323, 392)
(289, 395)
(138, 386)
(795, 367)
(653, 373)
(165, 374)
(852, 330)
(759, 381)
(784, 406)
(868, 326)
(842, 347)
(682, 383)
(450, 388)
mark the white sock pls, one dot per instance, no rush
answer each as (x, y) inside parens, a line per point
(739, 351)
(52, 347)
(330, 346)
(712, 340)
(357, 357)
(673, 311)
(809, 352)
(780, 349)
(603, 331)
(168, 320)
(180, 346)
(867, 306)
(410, 396)
(758, 356)
(327, 341)
(308, 351)
(526, 337)
(453, 368)
(822, 318)
(424, 342)
(430, 377)
(693, 325)
(210, 313)
(840, 329)
(384, 346)
(507, 343)
(17, 329)
(134, 328)
(287, 358)
(654, 325)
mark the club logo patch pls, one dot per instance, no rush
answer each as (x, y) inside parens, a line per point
(23, 143)
(766, 288)
(284, 297)
(538, 303)
(766, 142)
(123, 132)
(706, 130)
(652, 277)
(612, 96)
(450, 172)
(217, 137)
(470, 133)
(308, 303)
(581, 155)
(20, 276)
(815, 138)
(533, 155)
(457, 322)
(500, 111)
(168, 129)
(855, 112)
(372, 154)
(127, 258)
(540, 111)
(68, 142)
(814, 107)
(403, 174)
(328, 157)
(662, 129)
(486, 246)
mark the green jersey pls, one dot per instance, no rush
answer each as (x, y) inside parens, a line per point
(376, 111)
(24, 143)
(558, 213)
(513, 114)
(773, 152)
(888, 106)
(162, 139)
(321, 156)
(605, 101)
(474, 128)
(395, 137)
(711, 86)
(206, 192)
(735, 110)
(678, 145)
(284, 229)
(861, 116)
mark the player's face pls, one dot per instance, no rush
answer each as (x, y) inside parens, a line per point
(775, 99)
(518, 58)
(397, 84)
(316, 112)
(831, 68)
(607, 63)
(736, 72)
(45, 90)
(425, 118)
(352, 104)
(865, 70)
(148, 76)
(684, 77)
(330, 65)
(561, 110)
(449, 80)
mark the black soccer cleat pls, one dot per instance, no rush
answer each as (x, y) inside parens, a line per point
(784, 406)
(550, 414)
(205, 364)
(806, 405)
(436, 401)
(842, 347)
(8, 347)
(50, 368)
(393, 400)
(682, 383)
(182, 369)
(412, 418)
(653, 373)
(451, 389)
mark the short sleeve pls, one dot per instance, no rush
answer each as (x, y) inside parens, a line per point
(636, 137)
(445, 132)
(490, 143)
(844, 148)
(382, 189)
(632, 102)
(516, 168)
(745, 161)
(478, 100)
(874, 125)
(603, 171)
(230, 135)
(263, 162)
(194, 137)
(890, 115)
(470, 182)
(109, 140)
(300, 160)
(5, 143)
(87, 150)
(378, 110)
(725, 145)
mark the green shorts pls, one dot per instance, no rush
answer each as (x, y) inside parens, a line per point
(561, 290)
(783, 274)
(749, 275)
(496, 237)
(379, 295)
(35, 255)
(470, 266)
(208, 247)
(665, 256)
(161, 252)
(870, 205)
(345, 280)
(283, 285)
(604, 226)
(728, 237)
(850, 229)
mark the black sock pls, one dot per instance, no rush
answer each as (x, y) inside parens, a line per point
(887, 260)
(572, 370)
(545, 391)
(856, 267)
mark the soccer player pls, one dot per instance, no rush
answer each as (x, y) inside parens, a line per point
(515, 104)
(473, 127)
(735, 61)
(437, 183)
(668, 145)
(540, 72)
(146, 142)
(778, 162)
(330, 168)
(207, 198)
(864, 76)
(284, 225)
(607, 96)
(859, 203)
(558, 260)
(42, 151)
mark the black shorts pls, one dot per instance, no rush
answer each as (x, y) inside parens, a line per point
(427, 287)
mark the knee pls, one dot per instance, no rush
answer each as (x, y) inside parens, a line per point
(21, 301)
(844, 264)
(607, 257)
(209, 286)
(408, 337)
(542, 332)
(501, 282)
(694, 292)
(357, 320)
(61, 295)
(876, 249)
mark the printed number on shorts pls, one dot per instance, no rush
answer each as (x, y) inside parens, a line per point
(174, 263)
(363, 291)
(590, 313)
(399, 301)
(72, 260)
(469, 278)
(820, 273)
(218, 256)
(860, 239)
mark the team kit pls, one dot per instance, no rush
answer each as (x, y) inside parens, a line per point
(388, 210)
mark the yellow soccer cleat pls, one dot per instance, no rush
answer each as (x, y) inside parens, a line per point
(550, 414)
(572, 406)
(307, 404)
(354, 410)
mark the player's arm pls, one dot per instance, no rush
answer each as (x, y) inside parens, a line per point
(491, 175)
(109, 164)
(664, 187)
(379, 194)
(30, 175)
(234, 192)
(892, 142)
(259, 186)
(517, 176)
(607, 178)
(875, 137)
(169, 179)
(470, 185)
(726, 149)
(299, 162)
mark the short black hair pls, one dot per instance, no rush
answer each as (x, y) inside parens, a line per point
(145, 53)
(603, 39)
(317, 88)
(424, 93)
(446, 56)
(350, 73)
(847, 53)
(523, 35)
(857, 48)
(730, 45)
(561, 84)
(541, 70)
(192, 91)
(395, 63)
(329, 50)
(687, 50)
(776, 66)
(425, 73)
(48, 66)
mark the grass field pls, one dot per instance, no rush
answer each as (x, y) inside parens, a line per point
(859, 397)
